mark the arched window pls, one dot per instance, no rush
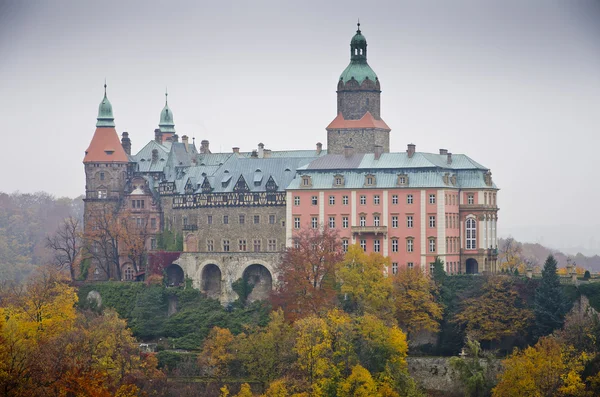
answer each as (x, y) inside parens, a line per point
(471, 230)
(129, 273)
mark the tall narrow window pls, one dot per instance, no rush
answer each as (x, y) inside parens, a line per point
(363, 220)
(375, 220)
(345, 200)
(363, 245)
(314, 222)
(345, 245)
(471, 227)
(376, 245)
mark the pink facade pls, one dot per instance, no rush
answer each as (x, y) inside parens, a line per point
(410, 226)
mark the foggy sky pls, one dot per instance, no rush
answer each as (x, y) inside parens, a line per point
(514, 84)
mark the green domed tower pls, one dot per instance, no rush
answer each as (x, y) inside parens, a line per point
(358, 89)
(166, 124)
(358, 123)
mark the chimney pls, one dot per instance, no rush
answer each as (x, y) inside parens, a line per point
(154, 155)
(378, 151)
(443, 152)
(126, 142)
(267, 153)
(204, 147)
(236, 150)
(261, 150)
(184, 139)
(449, 158)
(348, 151)
(175, 138)
(254, 154)
(411, 150)
(158, 135)
(319, 147)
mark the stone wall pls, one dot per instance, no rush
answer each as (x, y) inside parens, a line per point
(233, 230)
(214, 273)
(362, 140)
(434, 374)
(354, 104)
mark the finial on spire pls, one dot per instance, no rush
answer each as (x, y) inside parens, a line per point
(358, 25)
(105, 86)
(166, 96)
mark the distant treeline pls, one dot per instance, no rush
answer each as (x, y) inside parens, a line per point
(25, 221)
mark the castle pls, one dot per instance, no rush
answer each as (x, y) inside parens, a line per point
(236, 212)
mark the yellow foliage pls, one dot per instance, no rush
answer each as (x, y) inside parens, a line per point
(216, 352)
(360, 383)
(313, 347)
(245, 391)
(416, 307)
(364, 284)
(224, 391)
(277, 388)
(547, 369)
(127, 391)
(390, 340)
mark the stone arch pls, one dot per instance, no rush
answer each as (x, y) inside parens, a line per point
(261, 279)
(175, 276)
(211, 280)
(472, 267)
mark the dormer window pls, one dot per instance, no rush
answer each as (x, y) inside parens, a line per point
(402, 180)
(370, 180)
(338, 180)
(306, 181)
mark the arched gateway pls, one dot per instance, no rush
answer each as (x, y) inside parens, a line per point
(261, 279)
(472, 267)
(211, 281)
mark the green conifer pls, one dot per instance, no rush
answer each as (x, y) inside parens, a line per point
(550, 306)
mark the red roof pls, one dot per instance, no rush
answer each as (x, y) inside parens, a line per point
(105, 147)
(367, 121)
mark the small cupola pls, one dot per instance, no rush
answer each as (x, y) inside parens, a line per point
(166, 123)
(105, 112)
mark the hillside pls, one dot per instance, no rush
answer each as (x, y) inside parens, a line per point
(25, 221)
(538, 254)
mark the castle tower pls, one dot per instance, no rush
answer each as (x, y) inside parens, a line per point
(105, 162)
(166, 126)
(358, 123)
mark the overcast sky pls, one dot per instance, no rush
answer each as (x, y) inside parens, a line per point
(514, 84)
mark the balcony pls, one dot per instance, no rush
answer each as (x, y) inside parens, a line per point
(190, 227)
(369, 230)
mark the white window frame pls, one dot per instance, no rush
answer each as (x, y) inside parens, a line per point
(395, 221)
(432, 245)
(409, 221)
(296, 200)
(376, 220)
(332, 222)
(471, 233)
(394, 245)
(432, 221)
(410, 245)
(376, 245)
(345, 200)
(314, 222)
(331, 200)
(363, 221)
(376, 199)
(296, 222)
(345, 222)
(432, 199)
(409, 199)
(363, 245)
(363, 200)
(395, 199)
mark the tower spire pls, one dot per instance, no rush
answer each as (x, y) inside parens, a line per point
(105, 112)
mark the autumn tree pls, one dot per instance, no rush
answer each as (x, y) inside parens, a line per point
(511, 256)
(360, 383)
(217, 353)
(66, 245)
(313, 348)
(415, 304)
(306, 284)
(133, 238)
(546, 370)
(267, 352)
(497, 313)
(364, 287)
(378, 345)
(550, 306)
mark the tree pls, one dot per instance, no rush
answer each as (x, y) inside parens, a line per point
(511, 256)
(245, 391)
(439, 274)
(217, 353)
(360, 383)
(416, 307)
(364, 286)
(313, 348)
(133, 239)
(545, 370)
(498, 312)
(266, 352)
(587, 275)
(66, 245)
(379, 345)
(550, 307)
(307, 274)
(474, 376)
(104, 231)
